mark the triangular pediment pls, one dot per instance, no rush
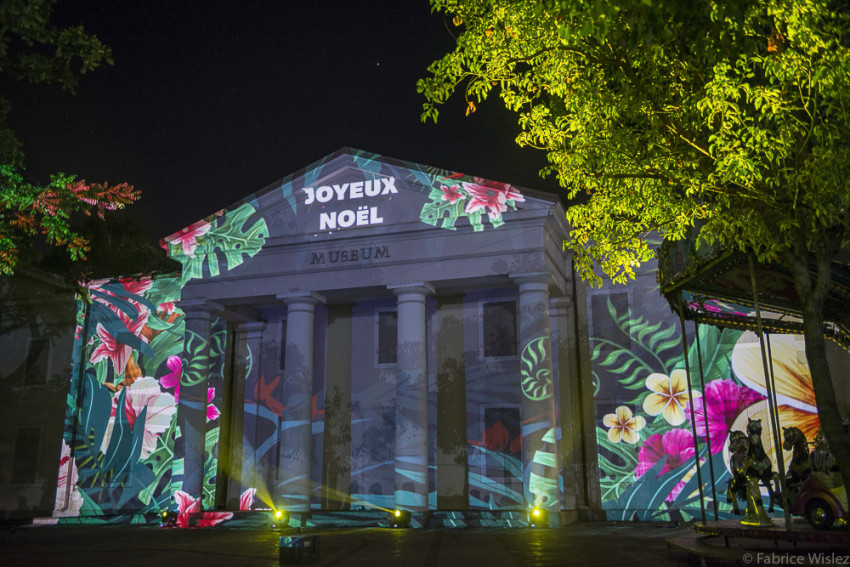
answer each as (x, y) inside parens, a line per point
(348, 196)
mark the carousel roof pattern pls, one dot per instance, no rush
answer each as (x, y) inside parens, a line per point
(716, 289)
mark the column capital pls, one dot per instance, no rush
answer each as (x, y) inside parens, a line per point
(532, 281)
(560, 305)
(420, 287)
(309, 297)
(200, 306)
(251, 328)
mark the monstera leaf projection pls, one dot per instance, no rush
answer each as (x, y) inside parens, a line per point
(536, 378)
(227, 239)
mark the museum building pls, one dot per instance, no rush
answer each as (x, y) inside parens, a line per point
(366, 334)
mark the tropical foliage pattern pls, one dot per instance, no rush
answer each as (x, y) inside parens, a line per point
(647, 456)
(453, 198)
(221, 240)
(139, 366)
(123, 451)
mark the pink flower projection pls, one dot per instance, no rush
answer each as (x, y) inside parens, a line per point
(494, 199)
(247, 499)
(141, 394)
(137, 286)
(677, 445)
(187, 506)
(167, 307)
(110, 347)
(66, 486)
(212, 411)
(452, 194)
(188, 237)
(724, 400)
(172, 379)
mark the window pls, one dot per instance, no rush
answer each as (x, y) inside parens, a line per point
(25, 462)
(387, 336)
(607, 310)
(503, 441)
(499, 329)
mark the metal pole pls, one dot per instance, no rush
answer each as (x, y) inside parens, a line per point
(770, 403)
(778, 425)
(691, 404)
(705, 417)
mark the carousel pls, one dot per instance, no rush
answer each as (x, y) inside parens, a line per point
(731, 289)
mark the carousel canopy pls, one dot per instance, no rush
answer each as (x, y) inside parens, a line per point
(716, 289)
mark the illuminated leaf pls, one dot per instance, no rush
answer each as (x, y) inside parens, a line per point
(536, 376)
(229, 242)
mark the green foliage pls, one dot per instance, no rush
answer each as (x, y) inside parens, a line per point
(229, 240)
(160, 460)
(725, 119)
(715, 347)
(35, 51)
(28, 211)
(653, 349)
(662, 116)
(617, 461)
(196, 365)
(536, 379)
(210, 466)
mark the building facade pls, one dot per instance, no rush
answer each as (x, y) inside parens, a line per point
(365, 334)
(368, 335)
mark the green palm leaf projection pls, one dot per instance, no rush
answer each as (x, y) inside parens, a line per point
(654, 349)
(230, 240)
(536, 380)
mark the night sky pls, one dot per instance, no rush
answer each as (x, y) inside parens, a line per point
(208, 102)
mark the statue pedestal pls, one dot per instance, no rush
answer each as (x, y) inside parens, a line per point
(755, 515)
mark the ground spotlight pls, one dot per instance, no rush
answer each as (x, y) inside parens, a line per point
(279, 518)
(399, 518)
(167, 519)
(538, 518)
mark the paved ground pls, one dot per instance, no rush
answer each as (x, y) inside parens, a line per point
(579, 545)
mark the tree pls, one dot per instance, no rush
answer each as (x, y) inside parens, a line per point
(27, 211)
(33, 50)
(670, 115)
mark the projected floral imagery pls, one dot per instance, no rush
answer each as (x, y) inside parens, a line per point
(646, 444)
(146, 418)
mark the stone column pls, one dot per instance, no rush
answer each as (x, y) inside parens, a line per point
(567, 377)
(336, 444)
(539, 447)
(192, 406)
(452, 427)
(296, 437)
(411, 425)
(249, 341)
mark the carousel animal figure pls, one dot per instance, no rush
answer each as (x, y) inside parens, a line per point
(744, 483)
(800, 467)
(761, 465)
(737, 488)
(821, 458)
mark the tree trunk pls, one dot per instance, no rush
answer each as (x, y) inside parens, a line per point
(812, 289)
